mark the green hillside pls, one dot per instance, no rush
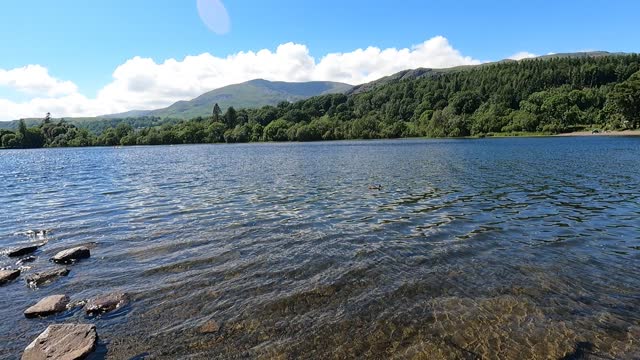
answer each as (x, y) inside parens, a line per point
(127, 114)
(250, 94)
(421, 73)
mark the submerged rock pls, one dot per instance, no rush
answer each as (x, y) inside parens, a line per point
(8, 275)
(25, 260)
(24, 250)
(45, 277)
(209, 327)
(76, 304)
(71, 255)
(105, 303)
(48, 306)
(63, 341)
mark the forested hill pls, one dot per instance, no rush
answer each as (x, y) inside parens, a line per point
(550, 94)
(545, 95)
(414, 74)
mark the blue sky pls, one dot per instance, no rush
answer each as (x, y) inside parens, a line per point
(84, 42)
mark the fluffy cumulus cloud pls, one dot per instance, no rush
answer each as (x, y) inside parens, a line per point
(141, 83)
(364, 65)
(35, 80)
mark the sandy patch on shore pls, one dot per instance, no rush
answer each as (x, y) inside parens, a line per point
(604, 133)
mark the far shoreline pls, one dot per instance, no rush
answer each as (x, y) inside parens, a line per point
(613, 133)
(635, 132)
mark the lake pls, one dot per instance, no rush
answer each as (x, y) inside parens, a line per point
(495, 248)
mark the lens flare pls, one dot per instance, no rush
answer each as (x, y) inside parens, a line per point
(214, 15)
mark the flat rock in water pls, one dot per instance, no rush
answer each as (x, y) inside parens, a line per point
(70, 255)
(45, 277)
(8, 275)
(24, 250)
(48, 306)
(63, 341)
(106, 303)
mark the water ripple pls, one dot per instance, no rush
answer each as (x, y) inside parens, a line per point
(496, 248)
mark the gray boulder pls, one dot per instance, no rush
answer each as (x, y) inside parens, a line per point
(48, 306)
(64, 342)
(71, 255)
(105, 303)
(46, 277)
(8, 275)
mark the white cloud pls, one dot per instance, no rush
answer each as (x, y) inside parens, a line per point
(35, 80)
(366, 65)
(66, 106)
(522, 55)
(141, 83)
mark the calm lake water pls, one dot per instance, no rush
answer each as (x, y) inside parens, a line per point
(494, 248)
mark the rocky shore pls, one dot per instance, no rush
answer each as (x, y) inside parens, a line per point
(59, 341)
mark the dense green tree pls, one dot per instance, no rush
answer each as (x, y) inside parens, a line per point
(22, 129)
(215, 132)
(82, 137)
(365, 128)
(242, 117)
(626, 98)
(9, 141)
(276, 131)
(256, 132)
(133, 139)
(216, 113)
(33, 138)
(265, 115)
(239, 134)
(230, 117)
(465, 102)
(123, 129)
(109, 137)
(521, 120)
(193, 132)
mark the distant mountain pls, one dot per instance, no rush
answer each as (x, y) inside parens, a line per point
(592, 54)
(250, 94)
(127, 114)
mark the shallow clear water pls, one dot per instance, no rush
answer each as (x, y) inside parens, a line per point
(492, 248)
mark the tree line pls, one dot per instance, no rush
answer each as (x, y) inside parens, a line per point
(549, 95)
